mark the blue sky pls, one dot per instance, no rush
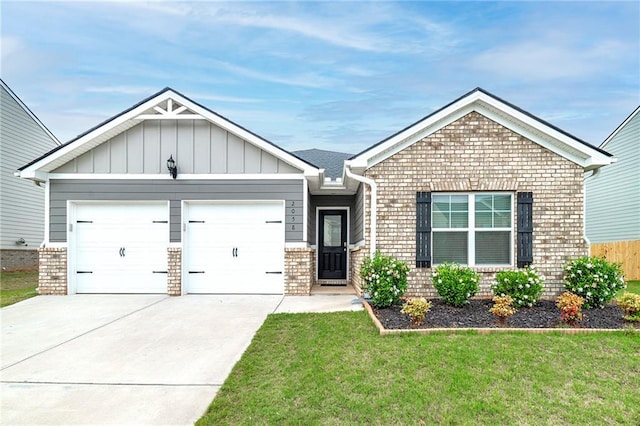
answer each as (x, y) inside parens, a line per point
(331, 75)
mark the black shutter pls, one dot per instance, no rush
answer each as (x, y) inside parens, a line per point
(525, 229)
(423, 229)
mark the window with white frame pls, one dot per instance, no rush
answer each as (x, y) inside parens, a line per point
(472, 229)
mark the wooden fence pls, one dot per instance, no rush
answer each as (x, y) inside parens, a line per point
(627, 252)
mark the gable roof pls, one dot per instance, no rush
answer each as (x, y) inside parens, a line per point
(498, 110)
(29, 112)
(620, 127)
(332, 162)
(158, 105)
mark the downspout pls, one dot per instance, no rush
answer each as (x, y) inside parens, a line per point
(374, 205)
(593, 174)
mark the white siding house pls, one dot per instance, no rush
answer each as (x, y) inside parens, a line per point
(613, 199)
(22, 138)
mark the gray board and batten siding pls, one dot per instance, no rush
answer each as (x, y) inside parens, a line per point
(175, 191)
(613, 195)
(197, 146)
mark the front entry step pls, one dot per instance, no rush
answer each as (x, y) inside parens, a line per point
(333, 283)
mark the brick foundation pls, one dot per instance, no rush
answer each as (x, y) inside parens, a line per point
(174, 271)
(19, 260)
(52, 277)
(357, 255)
(299, 265)
(476, 154)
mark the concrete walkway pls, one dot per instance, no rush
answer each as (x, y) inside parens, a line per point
(129, 359)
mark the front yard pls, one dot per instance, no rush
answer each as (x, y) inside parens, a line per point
(336, 369)
(17, 286)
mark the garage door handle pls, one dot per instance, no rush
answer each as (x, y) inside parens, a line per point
(274, 272)
(84, 272)
(196, 272)
(159, 272)
(274, 221)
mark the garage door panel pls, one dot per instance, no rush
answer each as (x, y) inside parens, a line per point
(121, 248)
(230, 248)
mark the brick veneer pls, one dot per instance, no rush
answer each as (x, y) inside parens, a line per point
(299, 266)
(19, 260)
(174, 271)
(477, 154)
(357, 255)
(52, 276)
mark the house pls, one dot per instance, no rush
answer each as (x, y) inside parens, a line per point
(22, 138)
(613, 200)
(479, 181)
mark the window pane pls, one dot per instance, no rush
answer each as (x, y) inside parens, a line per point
(440, 220)
(502, 220)
(450, 247)
(459, 220)
(332, 231)
(483, 202)
(502, 202)
(459, 203)
(483, 219)
(440, 203)
(493, 247)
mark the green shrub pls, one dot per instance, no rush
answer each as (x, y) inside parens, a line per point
(385, 278)
(455, 284)
(416, 308)
(524, 286)
(593, 279)
(630, 304)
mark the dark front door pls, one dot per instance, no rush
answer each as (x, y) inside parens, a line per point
(332, 245)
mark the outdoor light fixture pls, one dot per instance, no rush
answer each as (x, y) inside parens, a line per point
(171, 165)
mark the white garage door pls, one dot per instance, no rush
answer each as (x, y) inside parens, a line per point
(234, 247)
(121, 248)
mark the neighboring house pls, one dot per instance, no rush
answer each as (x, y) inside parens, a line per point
(613, 200)
(22, 138)
(478, 181)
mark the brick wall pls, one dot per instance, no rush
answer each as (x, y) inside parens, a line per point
(174, 271)
(299, 266)
(477, 154)
(19, 260)
(357, 256)
(52, 277)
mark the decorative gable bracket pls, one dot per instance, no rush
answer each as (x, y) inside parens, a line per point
(169, 111)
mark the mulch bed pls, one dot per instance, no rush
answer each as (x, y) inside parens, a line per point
(476, 314)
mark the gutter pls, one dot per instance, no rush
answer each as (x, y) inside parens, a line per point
(374, 204)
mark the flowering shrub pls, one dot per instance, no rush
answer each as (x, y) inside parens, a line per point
(385, 278)
(502, 307)
(570, 306)
(594, 279)
(416, 308)
(455, 284)
(630, 304)
(524, 286)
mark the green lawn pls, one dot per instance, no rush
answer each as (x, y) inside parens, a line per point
(335, 369)
(17, 286)
(632, 287)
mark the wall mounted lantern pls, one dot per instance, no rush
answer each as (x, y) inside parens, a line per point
(171, 165)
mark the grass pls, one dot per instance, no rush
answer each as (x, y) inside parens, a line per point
(17, 286)
(632, 287)
(335, 369)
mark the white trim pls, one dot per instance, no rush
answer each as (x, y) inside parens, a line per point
(167, 177)
(47, 213)
(348, 256)
(519, 122)
(57, 245)
(296, 244)
(305, 210)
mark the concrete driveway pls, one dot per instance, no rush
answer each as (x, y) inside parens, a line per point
(135, 359)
